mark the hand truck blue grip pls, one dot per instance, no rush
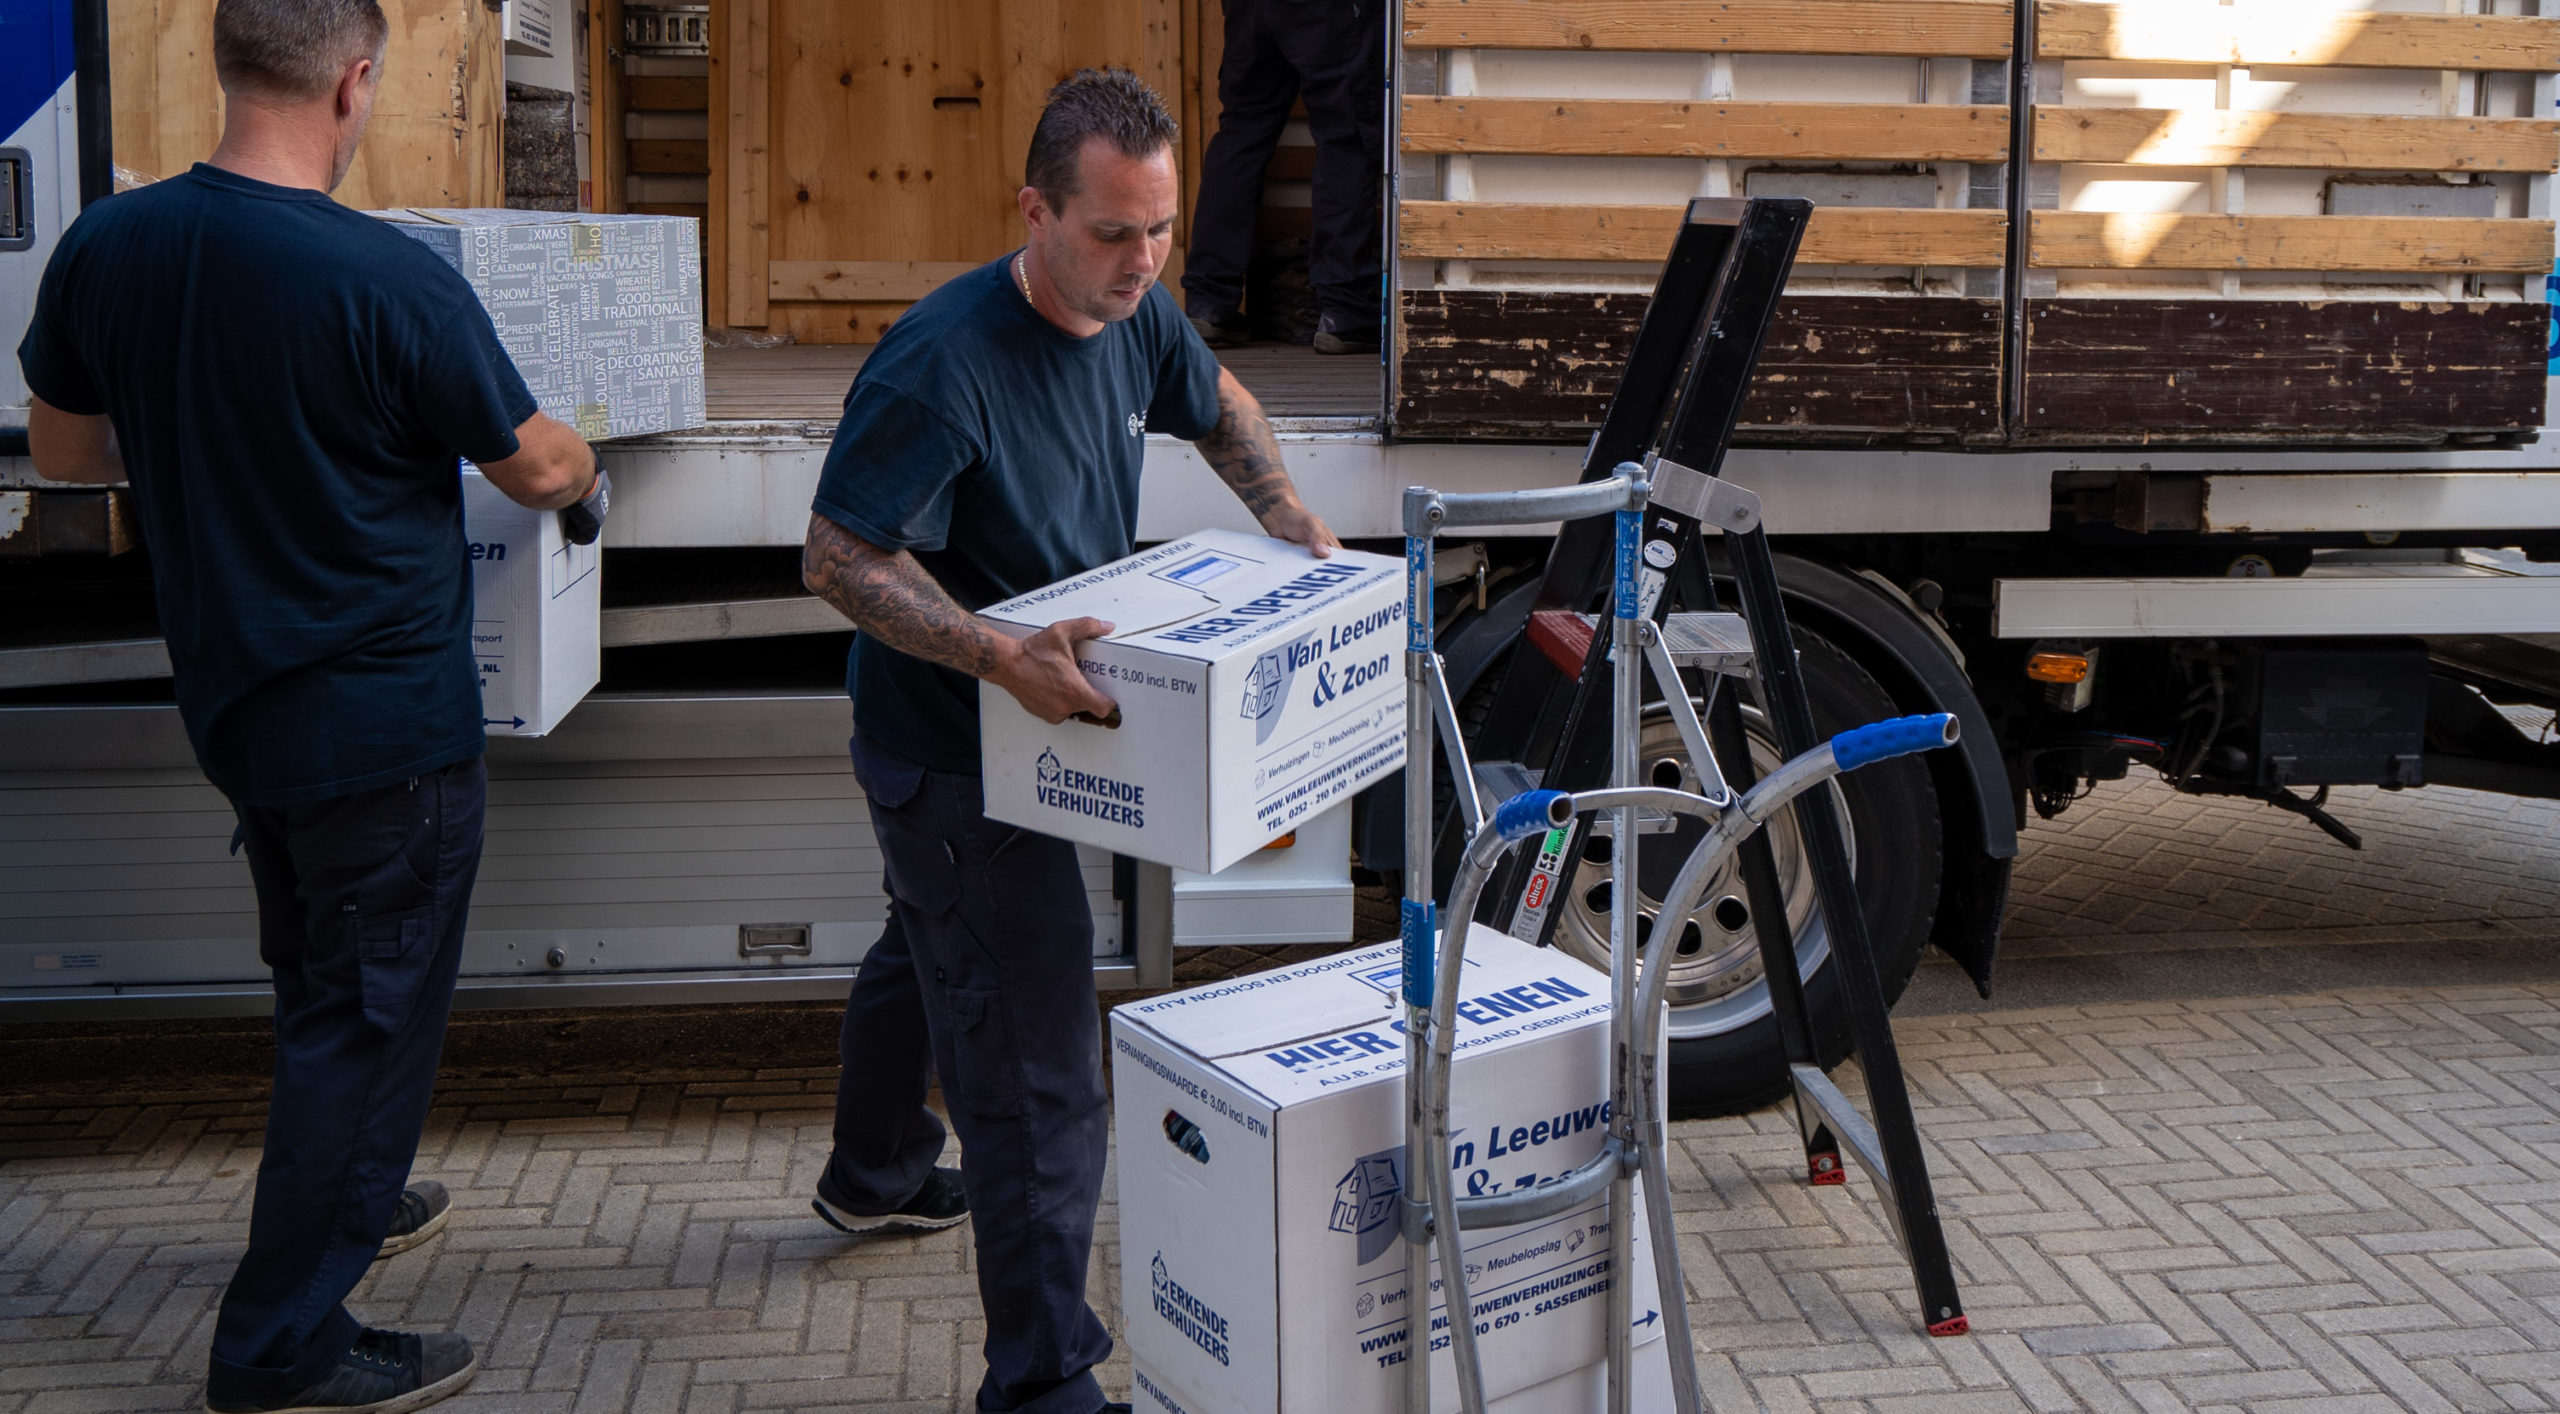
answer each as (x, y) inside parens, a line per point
(1878, 741)
(1532, 812)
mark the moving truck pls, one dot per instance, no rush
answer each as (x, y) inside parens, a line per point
(2161, 386)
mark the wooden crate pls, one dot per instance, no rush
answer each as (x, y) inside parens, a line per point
(1855, 367)
(437, 122)
(2249, 311)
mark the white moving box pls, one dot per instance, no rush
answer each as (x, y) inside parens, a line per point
(536, 615)
(601, 314)
(1260, 1125)
(1257, 685)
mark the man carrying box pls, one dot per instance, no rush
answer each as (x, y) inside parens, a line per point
(991, 445)
(287, 385)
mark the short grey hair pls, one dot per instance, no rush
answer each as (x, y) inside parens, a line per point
(293, 49)
(1113, 104)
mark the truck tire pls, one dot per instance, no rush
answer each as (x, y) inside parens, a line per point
(1725, 1054)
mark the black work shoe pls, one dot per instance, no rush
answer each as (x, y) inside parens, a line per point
(385, 1372)
(424, 1206)
(941, 1203)
(1222, 329)
(1338, 334)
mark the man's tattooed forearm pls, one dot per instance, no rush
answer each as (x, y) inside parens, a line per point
(889, 596)
(1243, 452)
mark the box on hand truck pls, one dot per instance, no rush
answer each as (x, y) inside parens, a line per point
(1261, 1161)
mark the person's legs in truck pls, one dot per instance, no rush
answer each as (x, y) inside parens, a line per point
(362, 901)
(1337, 50)
(1000, 934)
(1256, 88)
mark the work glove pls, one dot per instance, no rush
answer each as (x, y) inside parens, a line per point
(583, 522)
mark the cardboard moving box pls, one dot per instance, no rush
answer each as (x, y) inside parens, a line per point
(537, 606)
(602, 314)
(1260, 1125)
(1257, 685)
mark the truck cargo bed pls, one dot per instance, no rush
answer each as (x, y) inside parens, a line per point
(807, 382)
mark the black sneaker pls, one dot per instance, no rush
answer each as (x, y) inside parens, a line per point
(1344, 334)
(385, 1372)
(1222, 329)
(941, 1203)
(424, 1206)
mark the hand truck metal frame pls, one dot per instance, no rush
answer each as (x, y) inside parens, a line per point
(1633, 1148)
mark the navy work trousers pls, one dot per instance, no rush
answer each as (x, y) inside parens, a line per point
(361, 903)
(984, 976)
(1277, 51)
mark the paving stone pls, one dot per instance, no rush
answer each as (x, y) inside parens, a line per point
(2340, 1201)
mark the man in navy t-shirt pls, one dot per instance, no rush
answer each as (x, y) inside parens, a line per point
(991, 445)
(287, 384)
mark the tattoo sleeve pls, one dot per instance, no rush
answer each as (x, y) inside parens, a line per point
(891, 597)
(1243, 452)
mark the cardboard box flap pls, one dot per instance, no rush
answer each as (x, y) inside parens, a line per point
(1216, 1023)
(491, 216)
(1132, 605)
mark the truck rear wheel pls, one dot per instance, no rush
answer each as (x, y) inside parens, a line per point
(1725, 1054)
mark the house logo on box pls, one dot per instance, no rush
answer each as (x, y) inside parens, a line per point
(1365, 1203)
(1264, 686)
(1187, 1313)
(1046, 768)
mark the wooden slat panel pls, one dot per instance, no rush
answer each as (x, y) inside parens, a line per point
(669, 93)
(2292, 32)
(1837, 235)
(1891, 132)
(2149, 369)
(2346, 142)
(1918, 28)
(670, 156)
(1846, 368)
(606, 159)
(836, 280)
(2141, 240)
(742, 139)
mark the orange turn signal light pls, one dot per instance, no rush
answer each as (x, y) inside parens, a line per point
(1284, 841)
(2058, 667)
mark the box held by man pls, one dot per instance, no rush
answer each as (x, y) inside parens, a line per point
(602, 314)
(1257, 684)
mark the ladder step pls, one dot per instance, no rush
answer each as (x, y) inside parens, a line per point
(1707, 642)
(1816, 1091)
(1564, 637)
(1498, 781)
(1714, 643)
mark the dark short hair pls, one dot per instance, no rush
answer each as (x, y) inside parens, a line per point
(293, 49)
(1113, 104)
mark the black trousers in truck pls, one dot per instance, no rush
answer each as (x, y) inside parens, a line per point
(1328, 52)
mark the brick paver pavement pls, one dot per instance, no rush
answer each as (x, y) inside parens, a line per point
(2343, 1201)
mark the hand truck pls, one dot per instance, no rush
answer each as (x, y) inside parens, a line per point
(1676, 405)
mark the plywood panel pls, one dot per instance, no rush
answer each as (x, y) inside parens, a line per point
(1918, 28)
(2345, 142)
(1836, 235)
(857, 280)
(1912, 132)
(2131, 240)
(436, 130)
(2155, 369)
(2292, 32)
(900, 132)
(1835, 368)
